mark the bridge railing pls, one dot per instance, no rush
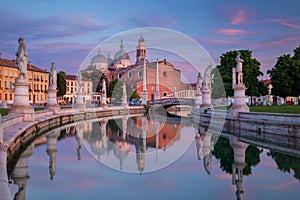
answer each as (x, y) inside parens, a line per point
(185, 94)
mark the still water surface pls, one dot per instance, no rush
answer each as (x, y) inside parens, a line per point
(110, 160)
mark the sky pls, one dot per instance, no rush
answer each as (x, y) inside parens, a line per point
(65, 32)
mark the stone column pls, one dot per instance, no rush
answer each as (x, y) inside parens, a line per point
(239, 104)
(21, 103)
(144, 92)
(20, 174)
(79, 105)
(157, 94)
(239, 150)
(51, 151)
(103, 103)
(124, 97)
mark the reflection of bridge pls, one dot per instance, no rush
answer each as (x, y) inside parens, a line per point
(169, 102)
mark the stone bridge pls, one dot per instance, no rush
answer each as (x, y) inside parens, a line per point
(169, 102)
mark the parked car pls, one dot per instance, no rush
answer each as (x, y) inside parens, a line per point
(135, 102)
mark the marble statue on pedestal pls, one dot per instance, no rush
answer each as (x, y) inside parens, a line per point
(239, 67)
(53, 76)
(22, 58)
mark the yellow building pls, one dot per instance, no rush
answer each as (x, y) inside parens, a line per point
(71, 89)
(38, 79)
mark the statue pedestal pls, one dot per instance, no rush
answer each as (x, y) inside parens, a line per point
(21, 103)
(239, 104)
(103, 103)
(52, 101)
(79, 105)
(206, 101)
(156, 95)
(198, 100)
(144, 98)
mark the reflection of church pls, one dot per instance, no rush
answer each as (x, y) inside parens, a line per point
(121, 136)
(119, 67)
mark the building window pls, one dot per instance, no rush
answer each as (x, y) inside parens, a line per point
(140, 74)
(6, 85)
(112, 77)
(120, 75)
(29, 97)
(67, 83)
(165, 94)
(10, 96)
(164, 74)
(15, 74)
(129, 75)
(5, 73)
(10, 74)
(5, 97)
(45, 87)
(0, 86)
(10, 85)
(71, 83)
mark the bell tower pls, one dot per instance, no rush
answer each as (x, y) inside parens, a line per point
(140, 51)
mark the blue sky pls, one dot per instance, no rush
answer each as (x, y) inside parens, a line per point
(66, 31)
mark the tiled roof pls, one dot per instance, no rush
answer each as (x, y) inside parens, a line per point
(12, 64)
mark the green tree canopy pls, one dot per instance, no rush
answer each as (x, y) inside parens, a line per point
(285, 75)
(115, 90)
(223, 73)
(61, 84)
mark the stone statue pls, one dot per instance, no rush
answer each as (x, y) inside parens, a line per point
(239, 67)
(207, 79)
(22, 58)
(53, 76)
(199, 83)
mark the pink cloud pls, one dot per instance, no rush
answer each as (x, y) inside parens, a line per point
(281, 41)
(223, 176)
(283, 186)
(214, 41)
(284, 22)
(229, 31)
(239, 18)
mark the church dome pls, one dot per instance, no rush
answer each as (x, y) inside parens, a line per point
(99, 58)
(121, 54)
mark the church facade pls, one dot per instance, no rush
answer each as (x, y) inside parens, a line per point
(161, 77)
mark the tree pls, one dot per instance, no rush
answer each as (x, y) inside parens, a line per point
(223, 72)
(115, 90)
(285, 75)
(61, 84)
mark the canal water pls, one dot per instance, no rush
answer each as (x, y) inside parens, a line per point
(137, 158)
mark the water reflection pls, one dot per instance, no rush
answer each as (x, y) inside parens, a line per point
(138, 143)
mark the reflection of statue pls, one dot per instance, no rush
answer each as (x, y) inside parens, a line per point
(22, 59)
(239, 67)
(53, 76)
(19, 195)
